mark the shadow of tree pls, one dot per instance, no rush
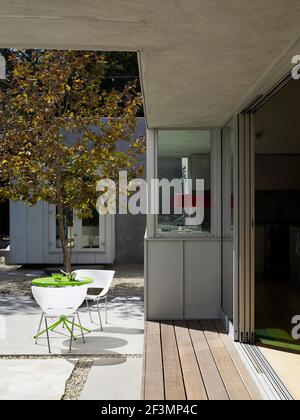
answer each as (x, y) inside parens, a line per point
(18, 305)
(126, 290)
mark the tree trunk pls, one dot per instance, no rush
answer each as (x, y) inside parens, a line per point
(60, 215)
(63, 239)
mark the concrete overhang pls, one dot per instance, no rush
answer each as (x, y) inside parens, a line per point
(199, 58)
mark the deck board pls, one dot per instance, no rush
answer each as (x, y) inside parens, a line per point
(193, 360)
(240, 366)
(153, 382)
(194, 386)
(174, 386)
(231, 378)
(213, 382)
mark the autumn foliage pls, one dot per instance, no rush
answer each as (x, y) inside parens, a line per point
(60, 132)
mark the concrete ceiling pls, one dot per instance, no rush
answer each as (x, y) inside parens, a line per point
(183, 143)
(199, 58)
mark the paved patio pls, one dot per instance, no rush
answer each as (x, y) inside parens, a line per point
(25, 379)
(123, 334)
(116, 352)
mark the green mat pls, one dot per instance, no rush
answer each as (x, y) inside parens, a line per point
(277, 338)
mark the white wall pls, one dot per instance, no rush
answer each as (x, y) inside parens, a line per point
(30, 238)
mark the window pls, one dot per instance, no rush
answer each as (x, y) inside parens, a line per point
(84, 235)
(90, 232)
(185, 155)
(69, 227)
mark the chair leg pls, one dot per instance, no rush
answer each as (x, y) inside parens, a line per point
(79, 321)
(106, 309)
(100, 320)
(72, 331)
(47, 332)
(88, 307)
(39, 329)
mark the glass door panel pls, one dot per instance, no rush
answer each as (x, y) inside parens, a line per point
(90, 231)
(69, 223)
(84, 235)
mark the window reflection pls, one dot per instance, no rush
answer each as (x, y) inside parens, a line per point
(184, 155)
(90, 232)
(68, 225)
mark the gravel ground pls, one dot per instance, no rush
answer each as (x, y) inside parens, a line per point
(77, 380)
(16, 280)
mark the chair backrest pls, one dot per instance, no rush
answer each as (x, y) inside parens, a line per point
(59, 301)
(102, 279)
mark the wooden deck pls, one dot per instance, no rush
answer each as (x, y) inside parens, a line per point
(193, 360)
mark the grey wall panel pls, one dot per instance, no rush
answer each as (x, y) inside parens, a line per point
(202, 280)
(35, 234)
(18, 233)
(227, 276)
(164, 280)
(130, 232)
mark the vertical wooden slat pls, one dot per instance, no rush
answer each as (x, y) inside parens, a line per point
(194, 386)
(247, 228)
(211, 377)
(153, 382)
(246, 232)
(241, 233)
(232, 381)
(236, 239)
(174, 386)
(252, 234)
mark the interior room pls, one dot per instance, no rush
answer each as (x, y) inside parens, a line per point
(277, 185)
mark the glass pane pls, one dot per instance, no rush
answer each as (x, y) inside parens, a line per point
(185, 156)
(90, 232)
(227, 219)
(69, 225)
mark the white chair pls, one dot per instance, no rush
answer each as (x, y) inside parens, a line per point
(62, 303)
(102, 280)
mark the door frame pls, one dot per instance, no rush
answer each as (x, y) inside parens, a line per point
(244, 238)
(244, 211)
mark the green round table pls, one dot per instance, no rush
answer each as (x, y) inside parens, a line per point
(52, 282)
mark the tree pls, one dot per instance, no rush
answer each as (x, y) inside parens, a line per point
(60, 130)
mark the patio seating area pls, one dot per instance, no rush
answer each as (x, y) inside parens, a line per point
(123, 334)
(119, 346)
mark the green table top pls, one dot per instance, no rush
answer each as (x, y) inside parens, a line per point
(52, 282)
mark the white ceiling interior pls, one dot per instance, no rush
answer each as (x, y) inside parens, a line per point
(199, 58)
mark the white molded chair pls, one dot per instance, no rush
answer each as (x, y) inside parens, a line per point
(62, 303)
(102, 280)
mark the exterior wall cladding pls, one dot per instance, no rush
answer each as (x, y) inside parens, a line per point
(130, 230)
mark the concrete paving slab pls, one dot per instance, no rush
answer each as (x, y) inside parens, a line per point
(34, 379)
(114, 379)
(124, 333)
